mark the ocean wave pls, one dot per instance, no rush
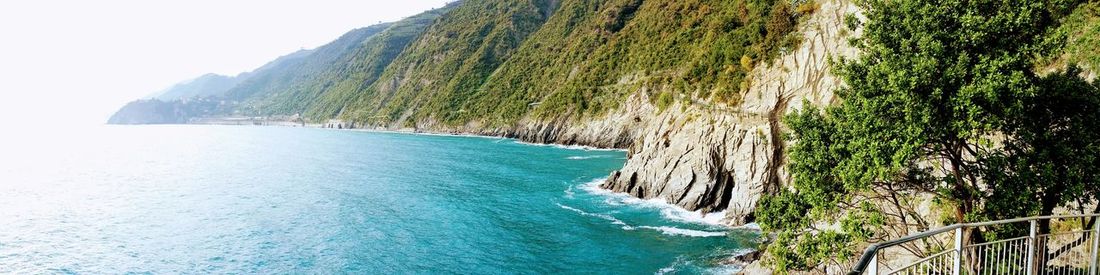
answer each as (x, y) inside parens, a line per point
(702, 266)
(750, 226)
(570, 147)
(666, 270)
(583, 157)
(676, 231)
(668, 210)
(724, 269)
(412, 132)
(607, 217)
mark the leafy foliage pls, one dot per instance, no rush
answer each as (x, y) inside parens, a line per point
(494, 62)
(1054, 158)
(321, 83)
(1075, 40)
(436, 75)
(573, 59)
(938, 85)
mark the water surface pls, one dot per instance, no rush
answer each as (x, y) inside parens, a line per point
(219, 199)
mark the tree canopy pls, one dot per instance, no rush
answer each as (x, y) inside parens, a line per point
(944, 104)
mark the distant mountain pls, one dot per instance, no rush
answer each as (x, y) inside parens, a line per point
(156, 111)
(208, 85)
(696, 89)
(318, 82)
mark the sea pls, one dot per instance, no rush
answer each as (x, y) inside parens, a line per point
(168, 199)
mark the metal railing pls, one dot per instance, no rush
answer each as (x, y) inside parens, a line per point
(1074, 252)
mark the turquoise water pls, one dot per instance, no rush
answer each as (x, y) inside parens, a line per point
(215, 199)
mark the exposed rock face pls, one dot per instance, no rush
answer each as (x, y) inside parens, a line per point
(723, 158)
(615, 130)
(700, 156)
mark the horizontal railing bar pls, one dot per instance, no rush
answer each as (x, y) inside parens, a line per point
(871, 250)
(996, 242)
(921, 261)
(1065, 233)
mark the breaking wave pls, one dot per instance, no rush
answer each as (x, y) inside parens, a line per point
(668, 210)
(676, 231)
(607, 217)
(570, 147)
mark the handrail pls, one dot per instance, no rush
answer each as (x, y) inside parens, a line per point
(873, 249)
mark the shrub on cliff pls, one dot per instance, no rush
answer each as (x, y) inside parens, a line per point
(943, 103)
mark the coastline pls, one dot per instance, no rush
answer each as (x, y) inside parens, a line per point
(515, 133)
(669, 210)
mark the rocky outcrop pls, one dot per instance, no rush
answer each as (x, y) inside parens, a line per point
(695, 154)
(716, 158)
(616, 130)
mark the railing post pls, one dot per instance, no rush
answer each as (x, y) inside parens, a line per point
(872, 268)
(1095, 246)
(1031, 243)
(956, 268)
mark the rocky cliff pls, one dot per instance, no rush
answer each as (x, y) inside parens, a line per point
(695, 89)
(700, 155)
(716, 158)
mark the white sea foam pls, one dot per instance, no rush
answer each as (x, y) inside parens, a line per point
(607, 217)
(724, 269)
(571, 147)
(569, 192)
(668, 210)
(412, 132)
(665, 270)
(583, 157)
(676, 231)
(750, 226)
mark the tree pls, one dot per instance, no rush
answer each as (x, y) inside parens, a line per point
(1052, 158)
(925, 107)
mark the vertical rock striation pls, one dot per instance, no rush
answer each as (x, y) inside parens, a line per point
(714, 158)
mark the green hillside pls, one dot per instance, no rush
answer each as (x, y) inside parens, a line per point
(449, 61)
(208, 85)
(496, 61)
(287, 88)
(471, 67)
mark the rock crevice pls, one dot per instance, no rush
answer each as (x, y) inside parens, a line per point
(724, 158)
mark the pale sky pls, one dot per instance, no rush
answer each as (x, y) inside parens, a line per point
(77, 61)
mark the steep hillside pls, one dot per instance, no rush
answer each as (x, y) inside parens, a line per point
(208, 85)
(156, 111)
(717, 158)
(586, 63)
(343, 82)
(284, 88)
(648, 75)
(317, 83)
(1075, 40)
(586, 60)
(434, 77)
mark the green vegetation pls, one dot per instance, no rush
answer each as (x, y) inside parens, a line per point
(944, 102)
(435, 76)
(209, 85)
(1076, 40)
(321, 83)
(155, 111)
(363, 66)
(664, 100)
(592, 54)
(497, 61)
(572, 59)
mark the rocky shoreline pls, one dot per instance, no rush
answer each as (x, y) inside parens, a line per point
(694, 154)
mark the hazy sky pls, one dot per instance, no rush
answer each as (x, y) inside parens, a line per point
(64, 62)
